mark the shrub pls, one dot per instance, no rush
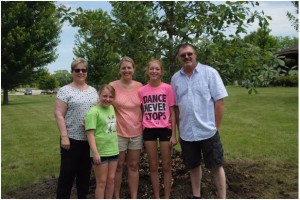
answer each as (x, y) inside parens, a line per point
(286, 81)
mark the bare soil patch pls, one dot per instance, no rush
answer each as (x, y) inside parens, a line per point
(244, 180)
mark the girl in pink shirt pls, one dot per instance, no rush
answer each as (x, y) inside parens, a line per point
(158, 101)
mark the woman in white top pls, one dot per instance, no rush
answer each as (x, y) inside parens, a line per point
(72, 102)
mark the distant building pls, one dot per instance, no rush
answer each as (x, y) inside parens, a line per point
(291, 52)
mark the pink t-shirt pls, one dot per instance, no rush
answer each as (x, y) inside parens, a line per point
(128, 110)
(156, 103)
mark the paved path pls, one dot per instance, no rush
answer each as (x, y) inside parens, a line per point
(34, 92)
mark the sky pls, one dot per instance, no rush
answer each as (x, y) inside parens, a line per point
(280, 26)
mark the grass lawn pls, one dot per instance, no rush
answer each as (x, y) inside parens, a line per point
(260, 128)
(29, 141)
(263, 126)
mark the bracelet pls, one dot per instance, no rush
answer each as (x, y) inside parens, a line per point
(64, 135)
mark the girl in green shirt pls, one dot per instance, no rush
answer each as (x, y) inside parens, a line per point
(100, 126)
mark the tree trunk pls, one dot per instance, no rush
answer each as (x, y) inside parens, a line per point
(5, 97)
(172, 67)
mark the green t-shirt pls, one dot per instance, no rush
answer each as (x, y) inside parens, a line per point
(103, 121)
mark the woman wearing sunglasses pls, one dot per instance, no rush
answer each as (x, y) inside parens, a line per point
(72, 102)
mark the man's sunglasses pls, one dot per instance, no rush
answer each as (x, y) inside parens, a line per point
(80, 70)
(184, 55)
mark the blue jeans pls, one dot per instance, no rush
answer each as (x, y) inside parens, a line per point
(75, 163)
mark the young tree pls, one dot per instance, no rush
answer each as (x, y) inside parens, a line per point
(63, 77)
(103, 40)
(262, 39)
(172, 23)
(48, 82)
(143, 30)
(29, 34)
(95, 41)
(138, 39)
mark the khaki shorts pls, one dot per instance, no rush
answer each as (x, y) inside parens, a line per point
(135, 143)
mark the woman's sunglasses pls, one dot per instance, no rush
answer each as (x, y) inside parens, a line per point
(80, 70)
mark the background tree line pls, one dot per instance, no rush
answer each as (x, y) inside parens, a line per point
(141, 30)
(155, 29)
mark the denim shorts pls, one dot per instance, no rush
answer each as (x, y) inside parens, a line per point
(154, 134)
(106, 159)
(210, 150)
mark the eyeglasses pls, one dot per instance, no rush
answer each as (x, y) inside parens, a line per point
(80, 70)
(184, 55)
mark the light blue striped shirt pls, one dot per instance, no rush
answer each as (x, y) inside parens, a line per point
(195, 97)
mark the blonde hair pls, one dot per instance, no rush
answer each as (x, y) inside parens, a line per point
(126, 59)
(110, 88)
(154, 61)
(77, 61)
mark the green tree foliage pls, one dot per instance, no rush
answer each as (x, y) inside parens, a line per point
(136, 38)
(95, 41)
(248, 61)
(291, 65)
(262, 39)
(286, 42)
(103, 41)
(240, 62)
(190, 21)
(63, 77)
(175, 22)
(48, 82)
(29, 34)
(294, 20)
(143, 30)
